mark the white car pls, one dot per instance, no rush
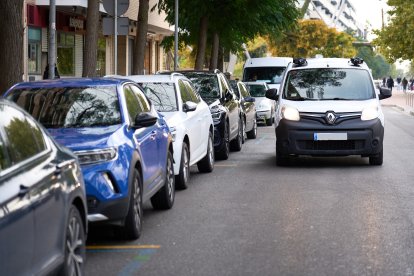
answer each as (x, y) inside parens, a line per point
(328, 107)
(265, 108)
(188, 118)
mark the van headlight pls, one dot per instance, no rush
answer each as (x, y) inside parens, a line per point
(290, 113)
(370, 113)
(86, 157)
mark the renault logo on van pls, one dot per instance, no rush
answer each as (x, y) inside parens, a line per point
(330, 117)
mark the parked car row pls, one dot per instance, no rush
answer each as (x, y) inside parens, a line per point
(79, 151)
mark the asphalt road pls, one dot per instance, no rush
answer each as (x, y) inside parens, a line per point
(322, 216)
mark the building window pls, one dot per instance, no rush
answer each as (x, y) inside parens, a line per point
(34, 51)
(66, 54)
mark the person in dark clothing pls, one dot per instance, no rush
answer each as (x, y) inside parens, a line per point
(390, 83)
(384, 81)
(46, 73)
(404, 83)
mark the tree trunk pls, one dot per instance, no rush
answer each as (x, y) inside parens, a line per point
(11, 43)
(214, 52)
(90, 54)
(201, 46)
(220, 59)
(304, 8)
(141, 38)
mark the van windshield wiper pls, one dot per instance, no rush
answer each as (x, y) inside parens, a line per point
(335, 99)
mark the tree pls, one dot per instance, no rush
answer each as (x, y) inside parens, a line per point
(396, 40)
(313, 37)
(141, 38)
(90, 53)
(379, 66)
(235, 22)
(11, 43)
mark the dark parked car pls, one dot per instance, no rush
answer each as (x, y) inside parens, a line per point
(247, 102)
(225, 109)
(124, 146)
(43, 222)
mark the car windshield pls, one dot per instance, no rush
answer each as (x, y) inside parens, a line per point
(67, 107)
(328, 84)
(257, 90)
(271, 75)
(162, 95)
(207, 85)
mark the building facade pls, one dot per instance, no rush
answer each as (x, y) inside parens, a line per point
(339, 14)
(70, 40)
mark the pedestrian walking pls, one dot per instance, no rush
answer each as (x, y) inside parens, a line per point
(404, 83)
(398, 83)
(390, 83)
(384, 81)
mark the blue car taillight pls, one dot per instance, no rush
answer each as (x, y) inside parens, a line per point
(96, 156)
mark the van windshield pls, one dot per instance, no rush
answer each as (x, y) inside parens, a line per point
(272, 75)
(328, 84)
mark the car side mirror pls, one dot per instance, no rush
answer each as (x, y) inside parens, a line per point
(384, 93)
(189, 106)
(249, 99)
(228, 96)
(144, 119)
(272, 94)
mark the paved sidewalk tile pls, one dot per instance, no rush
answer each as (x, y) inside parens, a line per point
(401, 100)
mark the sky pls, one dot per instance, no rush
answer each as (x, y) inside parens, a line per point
(369, 12)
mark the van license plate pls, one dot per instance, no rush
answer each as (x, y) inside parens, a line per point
(329, 136)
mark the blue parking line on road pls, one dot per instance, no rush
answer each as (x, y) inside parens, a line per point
(133, 266)
(258, 141)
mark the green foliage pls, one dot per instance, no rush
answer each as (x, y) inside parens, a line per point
(379, 66)
(235, 21)
(396, 40)
(313, 37)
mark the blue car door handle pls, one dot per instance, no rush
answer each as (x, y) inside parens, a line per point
(153, 135)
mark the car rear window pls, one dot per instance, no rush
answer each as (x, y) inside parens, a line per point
(328, 84)
(162, 95)
(70, 107)
(207, 85)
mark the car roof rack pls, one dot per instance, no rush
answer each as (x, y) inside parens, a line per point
(298, 62)
(356, 61)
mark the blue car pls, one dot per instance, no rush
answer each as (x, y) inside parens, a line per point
(123, 145)
(43, 223)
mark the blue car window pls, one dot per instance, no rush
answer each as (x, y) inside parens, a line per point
(162, 95)
(70, 107)
(146, 106)
(24, 137)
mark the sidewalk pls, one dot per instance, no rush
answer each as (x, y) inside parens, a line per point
(404, 102)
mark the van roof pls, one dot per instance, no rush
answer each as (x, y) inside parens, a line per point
(268, 62)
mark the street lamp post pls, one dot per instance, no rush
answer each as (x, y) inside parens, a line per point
(176, 37)
(52, 41)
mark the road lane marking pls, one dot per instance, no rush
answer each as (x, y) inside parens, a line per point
(117, 247)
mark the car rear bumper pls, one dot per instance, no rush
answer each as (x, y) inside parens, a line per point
(353, 137)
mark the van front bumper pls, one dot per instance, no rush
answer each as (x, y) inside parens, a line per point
(351, 137)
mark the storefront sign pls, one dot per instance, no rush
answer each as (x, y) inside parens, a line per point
(76, 23)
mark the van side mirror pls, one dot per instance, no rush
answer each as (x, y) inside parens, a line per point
(272, 94)
(384, 93)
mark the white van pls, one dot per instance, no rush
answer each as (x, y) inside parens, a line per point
(328, 107)
(267, 69)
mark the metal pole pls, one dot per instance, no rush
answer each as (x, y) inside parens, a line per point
(116, 37)
(176, 37)
(52, 41)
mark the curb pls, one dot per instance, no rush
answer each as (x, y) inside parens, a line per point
(409, 112)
